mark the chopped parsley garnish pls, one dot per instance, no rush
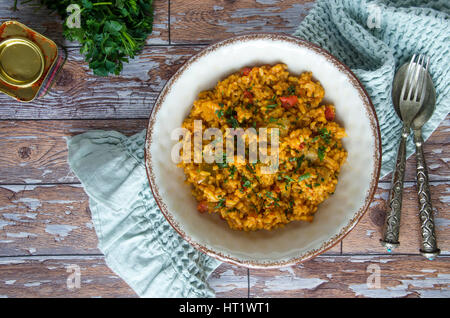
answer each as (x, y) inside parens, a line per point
(291, 90)
(272, 120)
(249, 169)
(232, 171)
(247, 184)
(299, 162)
(233, 122)
(219, 113)
(224, 163)
(221, 203)
(269, 195)
(288, 178)
(325, 135)
(272, 105)
(304, 177)
(321, 152)
(288, 181)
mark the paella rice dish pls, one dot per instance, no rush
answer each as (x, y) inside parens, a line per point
(310, 150)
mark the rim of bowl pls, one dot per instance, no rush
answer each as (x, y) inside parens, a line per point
(375, 128)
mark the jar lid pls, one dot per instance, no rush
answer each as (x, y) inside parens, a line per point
(21, 62)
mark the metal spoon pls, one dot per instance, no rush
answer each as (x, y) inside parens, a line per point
(411, 98)
(429, 244)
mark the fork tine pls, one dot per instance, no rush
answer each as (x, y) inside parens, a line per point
(413, 87)
(420, 76)
(424, 80)
(407, 76)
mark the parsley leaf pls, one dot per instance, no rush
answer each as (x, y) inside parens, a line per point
(321, 152)
(304, 177)
(111, 31)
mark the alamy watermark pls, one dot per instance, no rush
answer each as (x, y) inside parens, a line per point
(250, 143)
(374, 18)
(73, 21)
(374, 279)
(74, 279)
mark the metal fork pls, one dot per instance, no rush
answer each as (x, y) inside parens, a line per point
(411, 100)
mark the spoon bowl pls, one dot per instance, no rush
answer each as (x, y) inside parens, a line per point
(427, 109)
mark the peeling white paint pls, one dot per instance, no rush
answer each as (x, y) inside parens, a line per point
(442, 223)
(267, 1)
(428, 270)
(46, 172)
(5, 223)
(32, 181)
(11, 261)
(369, 258)
(60, 230)
(60, 201)
(32, 284)
(283, 283)
(364, 290)
(10, 282)
(21, 235)
(418, 284)
(233, 281)
(31, 203)
(370, 232)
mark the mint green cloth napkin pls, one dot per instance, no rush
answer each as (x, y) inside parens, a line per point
(139, 244)
(374, 38)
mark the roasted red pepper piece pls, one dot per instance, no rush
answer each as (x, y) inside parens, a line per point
(329, 113)
(249, 95)
(245, 71)
(289, 101)
(202, 207)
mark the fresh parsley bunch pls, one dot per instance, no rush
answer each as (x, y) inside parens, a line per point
(112, 31)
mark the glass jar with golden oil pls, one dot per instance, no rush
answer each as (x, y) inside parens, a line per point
(29, 62)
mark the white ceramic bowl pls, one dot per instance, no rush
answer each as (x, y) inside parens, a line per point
(296, 241)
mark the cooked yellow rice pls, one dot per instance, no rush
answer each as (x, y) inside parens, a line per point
(310, 149)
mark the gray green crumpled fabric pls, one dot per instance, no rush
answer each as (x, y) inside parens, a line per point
(139, 244)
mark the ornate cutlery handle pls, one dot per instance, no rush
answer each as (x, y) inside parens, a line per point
(429, 245)
(392, 223)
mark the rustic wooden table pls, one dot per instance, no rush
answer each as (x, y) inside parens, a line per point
(45, 224)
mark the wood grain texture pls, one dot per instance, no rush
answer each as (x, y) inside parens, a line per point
(50, 220)
(45, 220)
(364, 238)
(47, 276)
(49, 23)
(39, 149)
(437, 155)
(78, 94)
(36, 151)
(347, 276)
(229, 281)
(206, 21)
